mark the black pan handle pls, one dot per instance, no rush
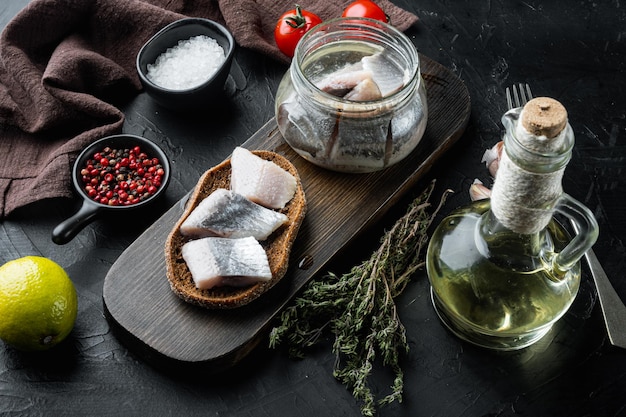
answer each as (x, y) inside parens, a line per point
(66, 230)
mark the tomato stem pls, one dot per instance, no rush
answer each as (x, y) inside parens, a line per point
(296, 21)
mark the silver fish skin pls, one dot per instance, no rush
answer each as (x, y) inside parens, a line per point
(365, 90)
(226, 213)
(342, 81)
(217, 262)
(386, 75)
(373, 77)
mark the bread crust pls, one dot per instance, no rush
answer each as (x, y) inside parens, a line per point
(277, 246)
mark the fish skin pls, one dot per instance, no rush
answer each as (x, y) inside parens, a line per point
(371, 78)
(225, 213)
(216, 261)
(260, 181)
(342, 82)
(365, 90)
(388, 77)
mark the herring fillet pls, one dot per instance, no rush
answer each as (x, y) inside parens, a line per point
(259, 180)
(388, 76)
(225, 213)
(342, 81)
(216, 261)
(373, 77)
(365, 90)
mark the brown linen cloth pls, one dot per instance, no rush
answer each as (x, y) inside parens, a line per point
(66, 64)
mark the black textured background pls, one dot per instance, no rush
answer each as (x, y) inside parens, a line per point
(574, 51)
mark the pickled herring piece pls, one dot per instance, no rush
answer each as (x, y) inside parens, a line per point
(225, 213)
(388, 77)
(216, 261)
(371, 78)
(343, 81)
(260, 181)
(351, 83)
(365, 90)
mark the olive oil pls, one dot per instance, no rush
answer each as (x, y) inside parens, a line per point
(503, 270)
(497, 294)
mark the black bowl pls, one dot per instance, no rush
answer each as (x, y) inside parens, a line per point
(90, 209)
(168, 37)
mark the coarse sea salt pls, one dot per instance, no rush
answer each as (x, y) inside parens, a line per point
(188, 64)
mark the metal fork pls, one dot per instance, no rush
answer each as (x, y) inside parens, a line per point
(613, 308)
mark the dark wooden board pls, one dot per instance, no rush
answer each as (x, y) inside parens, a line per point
(147, 315)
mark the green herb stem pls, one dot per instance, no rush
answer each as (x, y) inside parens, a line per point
(359, 308)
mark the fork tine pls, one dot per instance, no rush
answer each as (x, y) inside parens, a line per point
(522, 95)
(525, 94)
(518, 95)
(517, 101)
(529, 94)
(509, 100)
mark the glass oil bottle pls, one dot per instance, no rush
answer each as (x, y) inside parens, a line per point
(504, 270)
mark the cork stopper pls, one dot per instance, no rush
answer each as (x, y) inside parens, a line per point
(544, 116)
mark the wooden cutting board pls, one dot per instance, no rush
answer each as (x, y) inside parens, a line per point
(165, 330)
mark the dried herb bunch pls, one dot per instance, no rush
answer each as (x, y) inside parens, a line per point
(359, 308)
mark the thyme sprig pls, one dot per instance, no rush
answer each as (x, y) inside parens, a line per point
(359, 308)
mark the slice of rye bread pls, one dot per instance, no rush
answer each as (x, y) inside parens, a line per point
(277, 245)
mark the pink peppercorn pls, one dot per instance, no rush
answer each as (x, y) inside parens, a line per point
(117, 177)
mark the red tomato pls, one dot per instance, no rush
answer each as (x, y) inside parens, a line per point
(365, 8)
(290, 28)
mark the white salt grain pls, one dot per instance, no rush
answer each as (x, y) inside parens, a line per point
(188, 64)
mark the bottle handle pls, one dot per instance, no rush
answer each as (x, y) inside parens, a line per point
(587, 235)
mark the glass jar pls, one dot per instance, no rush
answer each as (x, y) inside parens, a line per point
(503, 271)
(334, 124)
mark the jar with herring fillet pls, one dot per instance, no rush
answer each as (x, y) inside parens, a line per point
(353, 99)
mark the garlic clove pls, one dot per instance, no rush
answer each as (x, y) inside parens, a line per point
(478, 191)
(492, 156)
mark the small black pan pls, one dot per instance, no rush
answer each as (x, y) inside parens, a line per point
(90, 209)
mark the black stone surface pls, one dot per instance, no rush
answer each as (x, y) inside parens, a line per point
(574, 51)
